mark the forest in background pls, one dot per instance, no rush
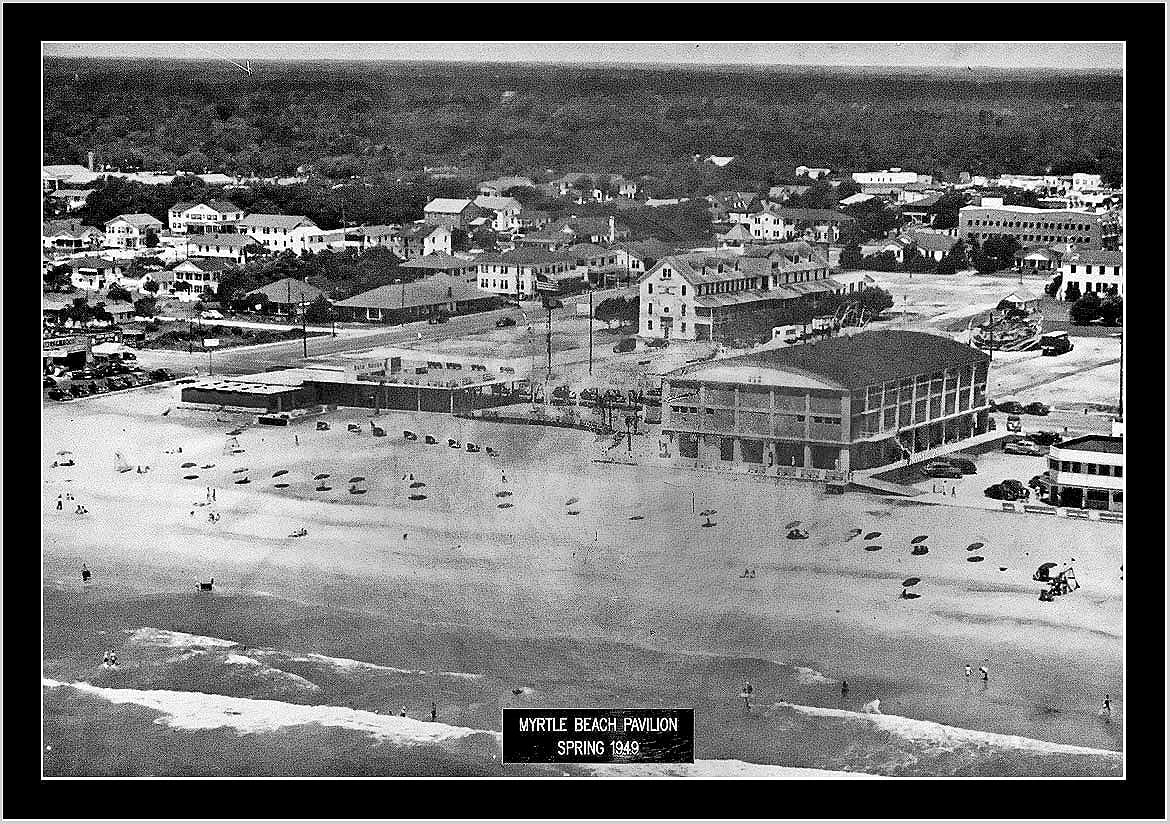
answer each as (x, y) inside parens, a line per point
(389, 120)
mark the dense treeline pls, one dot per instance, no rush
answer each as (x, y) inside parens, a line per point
(362, 119)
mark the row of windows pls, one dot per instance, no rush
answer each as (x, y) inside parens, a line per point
(1107, 470)
(666, 309)
(650, 288)
(682, 327)
(1033, 238)
(1009, 224)
(1092, 287)
(1089, 270)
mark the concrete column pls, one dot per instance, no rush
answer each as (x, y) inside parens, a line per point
(807, 455)
(807, 414)
(736, 450)
(844, 459)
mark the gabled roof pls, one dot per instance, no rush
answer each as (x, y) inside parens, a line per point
(447, 205)
(497, 204)
(276, 221)
(856, 361)
(418, 230)
(235, 241)
(1021, 296)
(737, 232)
(91, 262)
(523, 256)
(207, 264)
(438, 261)
(1042, 251)
(933, 241)
(288, 290)
(808, 215)
(72, 228)
(585, 250)
(182, 207)
(138, 220)
(922, 204)
(1095, 257)
(72, 193)
(428, 291)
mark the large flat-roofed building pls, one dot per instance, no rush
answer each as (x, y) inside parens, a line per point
(1086, 473)
(1031, 226)
(848, 403)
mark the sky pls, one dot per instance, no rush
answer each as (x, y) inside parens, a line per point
(1080, 55)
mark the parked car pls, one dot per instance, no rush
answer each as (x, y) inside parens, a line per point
(127, 356)
(1036, 482)
(1010, 485)
(1011, 407)
(82, 375)
(658, 343)
(625, 345)
(1006, 490)
(941, 469)
(1024, 447)
(58, 395)
(1013, 423)
(161, 375)
(1037, 408)
(1045, 438)
(962, 463)
(48, 383)
(505, 321)
(995, 492)
(211, 314)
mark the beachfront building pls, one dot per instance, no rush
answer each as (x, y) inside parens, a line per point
(1085, 473)
(851, 402)
(1093, 270)
(94, 273)
(780, 223)
(1031, 226)
(692, 296)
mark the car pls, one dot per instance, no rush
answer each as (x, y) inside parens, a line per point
(48, 383)
(437, 318)
(1036, 482)
(1024, 447)
(82, 375)
(128, 356)
(995, 492)
(211, 314)
(1045, 438)
(1011, 407)
(658, 343)
(1014, 487)
(58, 395)
(1013, 423)
(625, 345)
(941, 469)
(161, 375)
(961, 462)
(1037, 408)
(505, 321)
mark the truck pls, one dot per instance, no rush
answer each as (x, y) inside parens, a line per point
(1055, 343)
(788, 334)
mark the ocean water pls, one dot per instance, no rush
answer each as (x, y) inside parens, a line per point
(254, 685)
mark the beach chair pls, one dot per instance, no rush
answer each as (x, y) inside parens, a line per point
(206, 587)
(322, 426)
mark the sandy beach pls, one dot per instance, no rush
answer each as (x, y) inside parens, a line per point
(619, 598)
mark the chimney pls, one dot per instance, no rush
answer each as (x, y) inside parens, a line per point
(90, 161)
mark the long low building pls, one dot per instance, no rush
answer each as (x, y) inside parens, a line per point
(848, 403)
(1085, 473)
(404, 302)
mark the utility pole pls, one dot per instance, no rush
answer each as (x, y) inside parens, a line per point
(590, 331)
(548, 338)
(304, 331)
(1121, 381)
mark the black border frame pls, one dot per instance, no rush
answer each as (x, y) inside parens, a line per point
(1139, 795)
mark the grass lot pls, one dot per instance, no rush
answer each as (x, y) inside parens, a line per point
(181, 335)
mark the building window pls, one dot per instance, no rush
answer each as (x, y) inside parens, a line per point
(649, 323)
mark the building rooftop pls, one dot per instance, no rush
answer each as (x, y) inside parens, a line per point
(447, 205)
(439, 261)
(1094, 443)
(428, 291)
(216, 239)
(140, 220)
(856, 361)
(1095, 257)
(276, 221)
(497, 203)
(524, 256)
(289, 290)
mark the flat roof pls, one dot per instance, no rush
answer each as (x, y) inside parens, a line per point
(246, 387)
(1094, 443)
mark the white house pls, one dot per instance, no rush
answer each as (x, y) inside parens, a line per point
(497, 187)
(1081, 181)
(504, 211)
(95, 273)
(203, 217)
(890, 177)
(1093, 270)
(454, 213)
(71, 199)
(277, 233)
(516, 273)
(129, 231)
(225, 247)
(419, 240)
(200, 275)
(70, 235)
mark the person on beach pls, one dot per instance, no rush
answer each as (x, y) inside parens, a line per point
(113, 658)
(213, 493)
(85, 576)
(106, 658)
(402, 713)
(435, 711)
(1106, 707)
(983, 674)
(967, 670)
(844, 689)
(952, 492)
(747, 695)
(60, 503)
(297, 438)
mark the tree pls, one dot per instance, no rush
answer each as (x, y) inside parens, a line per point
(259, 302)
(1073, 292)
(874, 301)
(254, 250)
(57, 278)
(182, 286)
(145, 307)
(946, 210)
(1086, 309)
(1053, 288)
(151, 240)
(873, 218)
(954, 260)
(150, 286)
(620, 309)
(850, 256)
(319, 311)
(117, 294)
(460, 240)
(996, 253)
(1111, 310)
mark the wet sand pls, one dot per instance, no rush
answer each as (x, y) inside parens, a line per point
(629, 589)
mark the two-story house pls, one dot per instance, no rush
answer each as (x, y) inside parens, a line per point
(1093, 270)
(130, 231)
(203, 218)
(516, 273)
(278, 233)
(70, 199)
(200, 274)
(224, 246)
(70, 236)
(503, 211)
(420, 239)
(454, 213)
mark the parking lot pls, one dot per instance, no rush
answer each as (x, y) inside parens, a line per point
(100, 378)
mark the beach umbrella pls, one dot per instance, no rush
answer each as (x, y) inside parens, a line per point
(322, 476)
(975, 546)
(1047, 566)
(187, 465)
(323, 488)
(911, 595)
(207, 466)
(708, 512)
(279, 472)
(871, 535)
(418, 496)
(921, 549)
(975, 558)
(909, 582)
(238, 471)
(356, 479)
(571, 501)
(420, 485)
(235, 432)
(853, 533)
(64, 452)
(918, 539)
(794, 525)
(872, 548)
(243, 481)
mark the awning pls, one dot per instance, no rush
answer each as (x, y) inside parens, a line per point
(109, 348)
